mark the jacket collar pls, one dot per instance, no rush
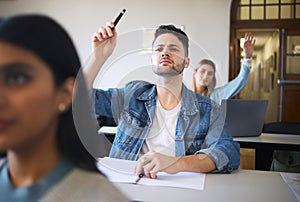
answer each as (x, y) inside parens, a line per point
(188, 102)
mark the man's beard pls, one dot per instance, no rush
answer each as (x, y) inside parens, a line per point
(168, 71)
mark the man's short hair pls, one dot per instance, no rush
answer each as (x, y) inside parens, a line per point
(171, 29)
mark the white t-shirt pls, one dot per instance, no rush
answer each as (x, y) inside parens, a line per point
(161, 137)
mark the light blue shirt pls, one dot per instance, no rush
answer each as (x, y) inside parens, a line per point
(233, 87)
(8, 192)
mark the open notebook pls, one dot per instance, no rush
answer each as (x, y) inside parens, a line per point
(118, 170)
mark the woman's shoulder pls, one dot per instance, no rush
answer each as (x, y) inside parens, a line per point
(81, 185)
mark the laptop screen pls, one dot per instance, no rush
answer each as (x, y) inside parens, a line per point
(244, 118)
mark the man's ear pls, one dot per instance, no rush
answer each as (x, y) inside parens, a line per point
(186, 62)
(65, 94)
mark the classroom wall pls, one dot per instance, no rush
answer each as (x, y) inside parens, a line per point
(206, 23)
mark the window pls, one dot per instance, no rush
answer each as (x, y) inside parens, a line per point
(268, 9)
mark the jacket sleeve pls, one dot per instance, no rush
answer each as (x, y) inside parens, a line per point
(108, 102)
(219, 144)
(233, 87)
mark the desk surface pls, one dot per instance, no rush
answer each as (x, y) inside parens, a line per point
(272, 138)
(241, 185)
(266, 143)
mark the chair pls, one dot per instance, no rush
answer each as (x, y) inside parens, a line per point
(106, 121)
(282, 127)
(284, 161)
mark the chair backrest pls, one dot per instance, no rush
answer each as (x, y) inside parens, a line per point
(282, 127)
(106, 121)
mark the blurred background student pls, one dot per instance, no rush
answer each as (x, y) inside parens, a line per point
(204, 77)
(42, 155)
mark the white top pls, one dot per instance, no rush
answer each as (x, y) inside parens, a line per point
(161, 137)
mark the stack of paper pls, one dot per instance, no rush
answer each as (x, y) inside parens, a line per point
(118, 170)
(293, 181)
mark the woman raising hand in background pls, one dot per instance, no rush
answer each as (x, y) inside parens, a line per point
(204, 77)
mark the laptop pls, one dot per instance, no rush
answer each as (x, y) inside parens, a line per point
(244, 118)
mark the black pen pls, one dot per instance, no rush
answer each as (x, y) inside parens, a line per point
(139, 177)
(118, 18)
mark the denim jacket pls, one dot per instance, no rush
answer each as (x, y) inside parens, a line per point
(199, 129)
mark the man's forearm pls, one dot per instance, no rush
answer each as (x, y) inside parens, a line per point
(196, 163)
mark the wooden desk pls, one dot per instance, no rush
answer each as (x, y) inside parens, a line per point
(241, 185)
(266, 143)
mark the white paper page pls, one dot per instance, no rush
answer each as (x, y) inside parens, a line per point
(108, 129)
(187, 180)
(118, 170)
(293, 181)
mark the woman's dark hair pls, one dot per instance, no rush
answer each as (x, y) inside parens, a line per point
(171, 29)
(49, 41)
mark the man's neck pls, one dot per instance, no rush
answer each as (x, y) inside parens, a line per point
(169, 92)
